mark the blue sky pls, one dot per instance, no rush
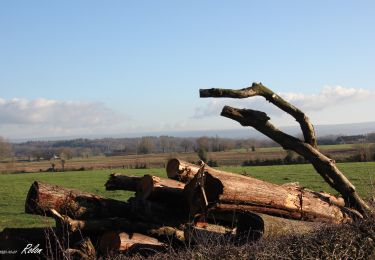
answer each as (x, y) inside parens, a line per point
(104, 67)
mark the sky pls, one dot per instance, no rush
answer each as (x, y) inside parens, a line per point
(84, 68)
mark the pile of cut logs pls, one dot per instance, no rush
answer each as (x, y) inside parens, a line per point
(195, 203)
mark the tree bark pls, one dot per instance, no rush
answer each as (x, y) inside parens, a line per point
(162, 190)
(119, 181)
(180, 170)
(233, 192)
(122, 242)
(307, 148)
(43, 197)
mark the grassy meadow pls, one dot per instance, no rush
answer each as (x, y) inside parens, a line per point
(14, 187)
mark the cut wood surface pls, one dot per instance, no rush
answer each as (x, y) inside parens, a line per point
(43, 197)
(119, 181)
(160, 189)
(181, 170)
(115, 242)
(229, 191)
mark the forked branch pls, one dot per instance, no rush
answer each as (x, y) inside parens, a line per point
(308, 149)
(257, 89)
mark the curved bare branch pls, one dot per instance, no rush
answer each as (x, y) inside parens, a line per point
(257, 89)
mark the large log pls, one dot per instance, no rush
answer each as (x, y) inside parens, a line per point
(96, 226)
(112, 242)
(180, 170)
(214, 189)
(162, 190)
(253, 226)
(244, 226)
(119, 181)
(43, 197)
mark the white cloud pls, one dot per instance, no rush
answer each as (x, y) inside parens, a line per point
(58, 117)
(329, 96)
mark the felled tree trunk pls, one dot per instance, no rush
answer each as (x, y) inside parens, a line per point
(162, 190)
(43, 197)
(96, 226)
(119, 181)
(245, 226)
(307, 148)
(226, 191)
(253, 226)
(122, 242)
(180, 170)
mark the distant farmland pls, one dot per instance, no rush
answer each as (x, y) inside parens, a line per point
(158, 160)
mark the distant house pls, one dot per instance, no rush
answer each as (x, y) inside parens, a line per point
(351, 139)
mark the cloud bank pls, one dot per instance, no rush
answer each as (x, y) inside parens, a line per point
(51, 117)
(329, 96)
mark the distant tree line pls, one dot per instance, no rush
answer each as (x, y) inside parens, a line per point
(67, 149)
(38, 150)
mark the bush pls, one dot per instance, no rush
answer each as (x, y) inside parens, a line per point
(212, 163)
(202, 154)
(331, 242)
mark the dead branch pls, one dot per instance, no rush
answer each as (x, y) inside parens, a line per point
(260, 121)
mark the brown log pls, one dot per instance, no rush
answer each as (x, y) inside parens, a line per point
(253, 226)
(95, 226)
(234, 192)
(119, 181)
(307, 148)
(162, 190)
(180, 170)
(122, 242)
(43, 197)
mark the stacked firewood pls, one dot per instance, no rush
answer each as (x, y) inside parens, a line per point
(195, 202)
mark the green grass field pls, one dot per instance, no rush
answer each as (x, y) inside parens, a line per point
(14, 187)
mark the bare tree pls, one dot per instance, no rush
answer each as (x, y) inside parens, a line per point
(186, 144)
(164, 140)
(307, 148)
(146, 145)
(203, 143)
